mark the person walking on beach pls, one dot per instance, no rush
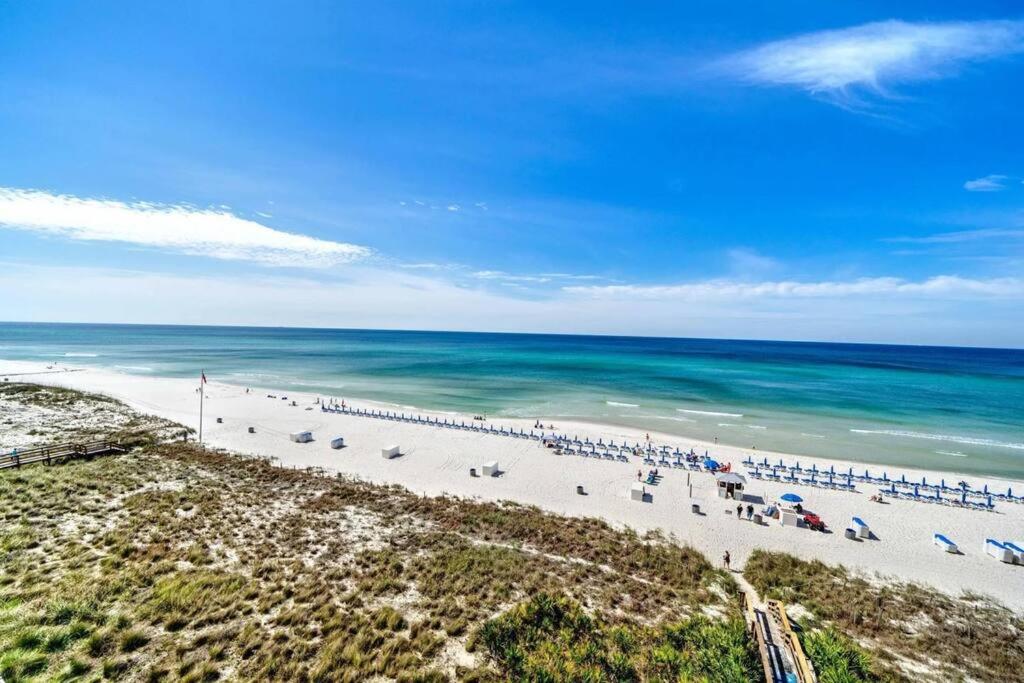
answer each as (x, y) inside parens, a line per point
(726, 559)
(739, 511)
(750, 511)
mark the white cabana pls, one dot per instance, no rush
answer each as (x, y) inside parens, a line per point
(490, 469)
(390, 452)
(637, 492)
(301, 437)
(730, 485)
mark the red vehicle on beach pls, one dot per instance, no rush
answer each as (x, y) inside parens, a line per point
(814, 522)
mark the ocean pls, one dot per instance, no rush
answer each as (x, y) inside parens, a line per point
(954, 409)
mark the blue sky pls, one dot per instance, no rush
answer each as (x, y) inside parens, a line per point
(799, 170)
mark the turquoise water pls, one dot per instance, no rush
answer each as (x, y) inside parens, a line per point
(944, 408)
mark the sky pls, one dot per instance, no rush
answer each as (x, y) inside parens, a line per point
(784, 170)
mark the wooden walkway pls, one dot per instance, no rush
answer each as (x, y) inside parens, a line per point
(782, 657)
(58, 453)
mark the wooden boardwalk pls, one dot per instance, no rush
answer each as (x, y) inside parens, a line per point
(782, 657)
(58, 453)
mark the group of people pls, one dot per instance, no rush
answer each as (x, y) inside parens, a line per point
(739, 511)
(652, 475)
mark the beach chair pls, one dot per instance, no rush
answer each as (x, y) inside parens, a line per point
(998, 550)
(863, 531)
(1017, 550)
(945, 543)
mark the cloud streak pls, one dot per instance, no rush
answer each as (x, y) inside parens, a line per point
(990, 183)
(872, 58)
(179, 228)
(941, 286)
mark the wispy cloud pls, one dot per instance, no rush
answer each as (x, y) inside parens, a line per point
(944, 286)
(180, 228)
(502, 276)
(960, 236)
(872, 58)
(538, 278)
(990, 183)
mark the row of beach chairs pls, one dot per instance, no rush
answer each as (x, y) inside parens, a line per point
(915, 494)
(826, 481)
(652, 455)
(782, 469)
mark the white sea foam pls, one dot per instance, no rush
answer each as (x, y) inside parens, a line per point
(623, 405)
(137, 368)
(955, 454)
(709, 412)
(756, 427)
(727, 424)
(812, 436)
(659, 417)
(952, 438)
(72, 354)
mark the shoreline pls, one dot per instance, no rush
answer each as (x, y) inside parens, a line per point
(436, 462)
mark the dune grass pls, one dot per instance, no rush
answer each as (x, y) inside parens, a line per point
(553, 639)
(902, 631)
(175, 563)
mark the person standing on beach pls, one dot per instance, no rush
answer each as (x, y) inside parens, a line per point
(739, 511)
(726, 559)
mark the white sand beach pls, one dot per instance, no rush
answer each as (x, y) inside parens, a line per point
(436, 461)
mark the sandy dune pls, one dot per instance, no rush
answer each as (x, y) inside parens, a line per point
(437, 460)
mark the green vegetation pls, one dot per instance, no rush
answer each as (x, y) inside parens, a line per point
(907, 628)
(176, 563)
(553, 639)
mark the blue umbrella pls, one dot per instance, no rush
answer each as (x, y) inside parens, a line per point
(711, 464)
(792, 498)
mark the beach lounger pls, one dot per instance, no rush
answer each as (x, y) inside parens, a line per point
(1017, 550)
(998, 550)
(861, 527)
(945, 543)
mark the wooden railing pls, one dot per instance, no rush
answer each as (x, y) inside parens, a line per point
(58, 453)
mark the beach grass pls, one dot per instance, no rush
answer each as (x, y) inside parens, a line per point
(174, 562)
(867, 629)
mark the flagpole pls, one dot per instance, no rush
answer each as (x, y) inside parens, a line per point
(202, 375)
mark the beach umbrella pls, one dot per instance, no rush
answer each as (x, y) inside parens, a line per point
(791, 498)
(710, 464)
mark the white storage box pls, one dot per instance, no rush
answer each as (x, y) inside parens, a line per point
(338, 442)
(390, 452)
(490, 468)
(302, 437)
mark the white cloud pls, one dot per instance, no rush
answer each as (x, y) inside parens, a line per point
(874, 56)
(172, 227)
(389, 298)
(990, 183)
(960, 236)
(941, 286)
(502, 276)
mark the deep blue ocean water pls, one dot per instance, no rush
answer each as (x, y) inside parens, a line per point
(945, 408)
